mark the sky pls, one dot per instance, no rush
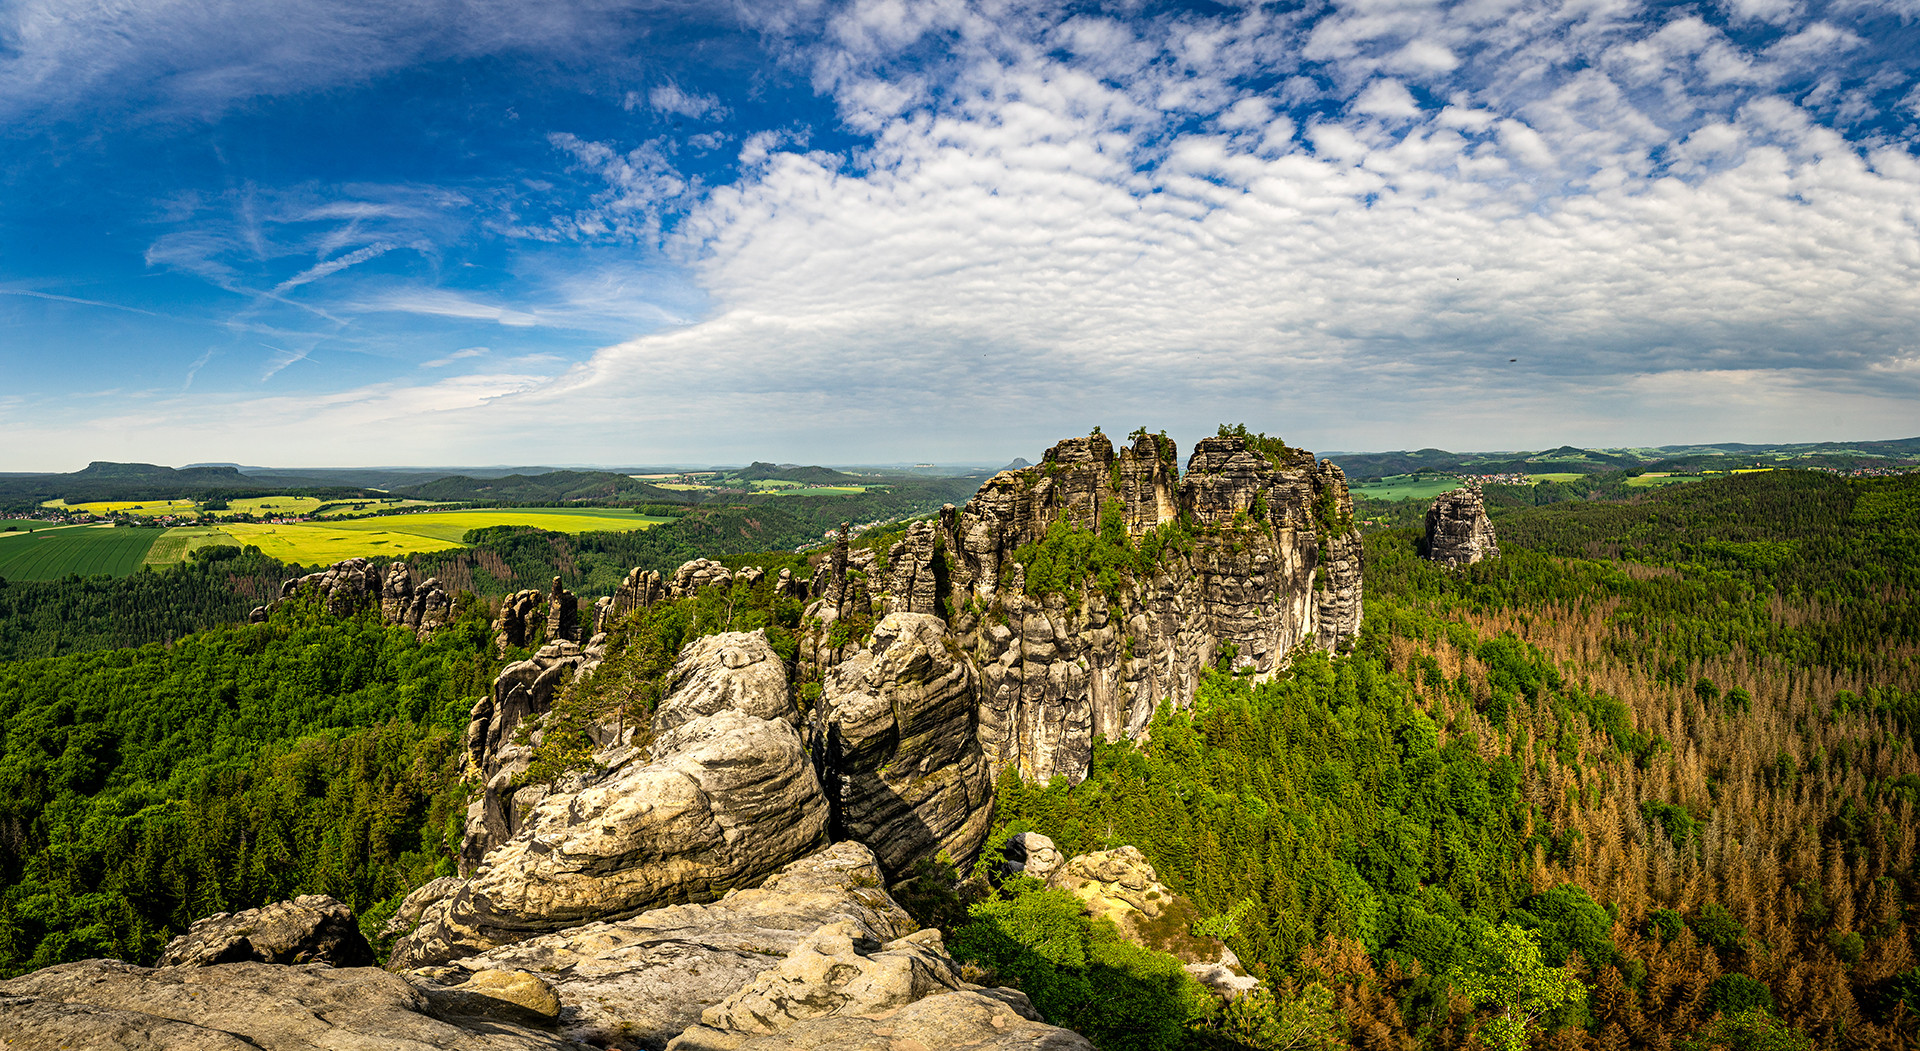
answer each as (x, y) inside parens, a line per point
(335, 232)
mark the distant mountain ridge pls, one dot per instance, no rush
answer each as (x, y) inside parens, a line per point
(1572, 460)
(762, 471)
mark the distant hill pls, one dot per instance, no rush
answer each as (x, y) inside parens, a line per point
(761, 471)
(550, 487)
(108, 480)
(1569, 459)
(1018, 463)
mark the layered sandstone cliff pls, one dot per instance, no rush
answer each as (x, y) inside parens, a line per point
(1459, 533)
(1095, 585)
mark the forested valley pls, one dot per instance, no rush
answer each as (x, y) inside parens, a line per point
(1655, 764)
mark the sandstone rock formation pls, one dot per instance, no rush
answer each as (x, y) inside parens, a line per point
(496, 754)
(528, 617)
(563, 614)
(347, 586)
(817, 955)
(912, 583)
(343, 587)
(312, 928)
(522, 619)
(407, 916)
(720, 799)
(899, 748)
(424, 607)
(1253, 546)
(698, 575)
(1458, 530)
(97, 1005)
(641, 588)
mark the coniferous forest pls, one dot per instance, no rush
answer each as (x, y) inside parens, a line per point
(1648, 780)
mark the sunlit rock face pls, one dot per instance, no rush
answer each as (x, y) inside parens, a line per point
(1458, 530)
(1251, 551)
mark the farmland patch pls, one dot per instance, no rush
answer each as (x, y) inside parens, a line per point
(49, 554)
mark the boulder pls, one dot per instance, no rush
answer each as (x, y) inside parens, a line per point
(1031, 854)
(312, 928)
(645, 979)
(505, 995)
(721, 800)
(97, 1005)
(1459, 533)
(902, 762)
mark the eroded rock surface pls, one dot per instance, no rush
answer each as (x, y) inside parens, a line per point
(973, 1020)
(496, 752)
(1256, 548)
(901, 756)
(827, 973)
(424, 607)
(312, 928)
(718, 801)
(1459, 533)
(350, 585)
(106, 1005)
(642, 981)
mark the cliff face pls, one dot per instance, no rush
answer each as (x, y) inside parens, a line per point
(1090, 587)
(1458, 530)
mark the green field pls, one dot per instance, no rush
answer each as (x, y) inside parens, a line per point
(319, 543)
(337, 508)
(272, 506)
(1658, 478)
(1562, 476)
(49, 554)
(175, 544)
(1407, 487)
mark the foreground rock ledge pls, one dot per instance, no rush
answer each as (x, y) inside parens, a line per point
(107, 1005)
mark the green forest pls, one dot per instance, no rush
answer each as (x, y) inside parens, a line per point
(1648, 780)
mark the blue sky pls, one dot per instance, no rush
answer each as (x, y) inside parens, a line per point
(506, 232)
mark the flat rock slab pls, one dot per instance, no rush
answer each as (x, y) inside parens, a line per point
(986, 1020)
(642, 981)
(106, 1005)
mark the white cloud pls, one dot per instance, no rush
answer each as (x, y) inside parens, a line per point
(442, 303)
(1386, 98)
(458, 355)
(671, 99)
(333, 266)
